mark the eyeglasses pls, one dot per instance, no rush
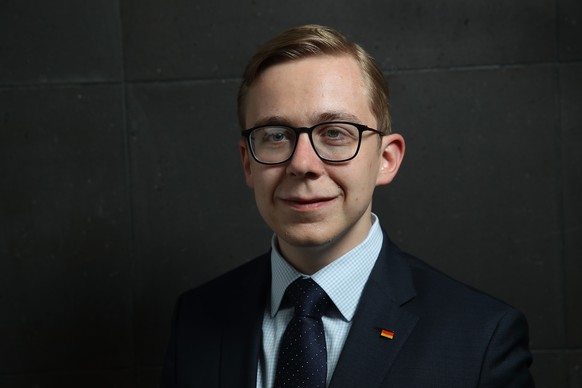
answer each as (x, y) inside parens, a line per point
(333, 141)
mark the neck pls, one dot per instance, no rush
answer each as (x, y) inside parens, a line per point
(307, 260)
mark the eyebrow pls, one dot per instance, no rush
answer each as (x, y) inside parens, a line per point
(272, 120)
(337, 116)
(316, 118)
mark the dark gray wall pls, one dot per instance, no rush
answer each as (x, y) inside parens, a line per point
(120, 183)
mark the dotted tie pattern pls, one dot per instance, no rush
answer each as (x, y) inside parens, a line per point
(302, 354)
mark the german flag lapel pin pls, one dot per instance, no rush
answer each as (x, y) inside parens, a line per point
(387, 334)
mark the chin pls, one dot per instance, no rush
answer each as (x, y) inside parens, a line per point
(306, 237)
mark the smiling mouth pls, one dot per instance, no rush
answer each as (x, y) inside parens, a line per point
(307, 203)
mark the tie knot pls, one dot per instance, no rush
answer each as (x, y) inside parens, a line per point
(308, 298)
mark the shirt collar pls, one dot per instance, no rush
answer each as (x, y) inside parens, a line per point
(343, 279)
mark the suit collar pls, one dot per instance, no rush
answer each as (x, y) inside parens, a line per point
(392, 274)
(241, 338)
(388, 289)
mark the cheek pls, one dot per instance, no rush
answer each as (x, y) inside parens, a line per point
(265, 180)
(359, 184)
(262, 195)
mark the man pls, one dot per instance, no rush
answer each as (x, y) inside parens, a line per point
(316, 142)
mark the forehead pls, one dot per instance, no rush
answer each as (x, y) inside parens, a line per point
(303, 90)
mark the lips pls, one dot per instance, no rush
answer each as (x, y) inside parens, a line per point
(307, 203)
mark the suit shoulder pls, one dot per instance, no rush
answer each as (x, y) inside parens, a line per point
(446, 292)
(249, 275)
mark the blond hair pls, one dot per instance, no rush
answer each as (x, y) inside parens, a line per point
(309, 40)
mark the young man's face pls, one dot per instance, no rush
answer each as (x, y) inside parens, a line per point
(310, 204)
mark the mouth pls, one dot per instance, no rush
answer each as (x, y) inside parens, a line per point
(308, 204)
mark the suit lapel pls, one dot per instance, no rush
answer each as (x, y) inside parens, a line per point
(367, 355)
(241, 335)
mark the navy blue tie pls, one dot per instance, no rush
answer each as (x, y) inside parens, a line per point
(302, 354)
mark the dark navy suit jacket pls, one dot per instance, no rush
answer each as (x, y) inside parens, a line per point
(446, 334)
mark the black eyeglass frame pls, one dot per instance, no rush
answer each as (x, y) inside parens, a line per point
(309, 130)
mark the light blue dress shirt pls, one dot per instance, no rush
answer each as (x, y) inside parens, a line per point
(343, 280)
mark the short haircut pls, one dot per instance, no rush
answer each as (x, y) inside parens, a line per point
(311, 40)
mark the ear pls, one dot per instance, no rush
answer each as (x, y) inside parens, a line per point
(392, 153)
(246, 162)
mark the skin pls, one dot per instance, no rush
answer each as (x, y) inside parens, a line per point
(318, 210)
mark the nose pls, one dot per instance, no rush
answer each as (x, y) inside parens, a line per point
(305, 161)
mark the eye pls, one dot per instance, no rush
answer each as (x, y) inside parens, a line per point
(276, 136)
(336, 134)
(271, 136)
(333, 133)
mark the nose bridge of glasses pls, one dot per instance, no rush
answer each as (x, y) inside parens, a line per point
(298, 131)
(301, 130)
(306, 132)
(304, 141)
